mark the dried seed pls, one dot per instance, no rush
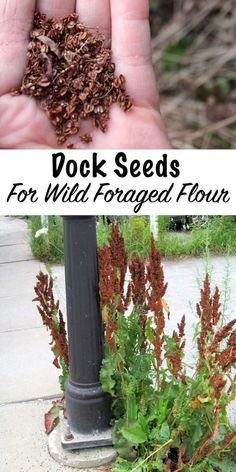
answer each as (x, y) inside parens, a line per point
(44, 82)
(119, 81)
(44, 48)
(78, 84)
(49, 70)
(66, 59)
(61, 140)
(57, 109)
(69, 56)
(58, 27)
(93, 74)
(86, 138)
(70, 109)
(35, 33)
(69, 145)
(83, 35)
(83, 96)
(71, 24)
(83, 115)
(122, 79)
(98, 110)
(63, 91)
(15, 92)
(31, 46)
(88, 107)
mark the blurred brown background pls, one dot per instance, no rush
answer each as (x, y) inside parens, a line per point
(194, 54)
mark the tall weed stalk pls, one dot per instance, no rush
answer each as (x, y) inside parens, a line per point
(52, 318)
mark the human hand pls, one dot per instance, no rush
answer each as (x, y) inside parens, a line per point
(126, 24)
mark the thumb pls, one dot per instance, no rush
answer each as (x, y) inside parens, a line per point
(16, 19)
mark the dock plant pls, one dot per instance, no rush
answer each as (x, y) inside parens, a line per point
(164, 419)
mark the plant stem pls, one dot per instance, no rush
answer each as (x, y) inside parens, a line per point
(57, 248)
(152, 454)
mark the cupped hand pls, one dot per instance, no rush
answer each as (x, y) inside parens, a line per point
(126, 26)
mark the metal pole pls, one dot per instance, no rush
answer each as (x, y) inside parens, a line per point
(88, 407)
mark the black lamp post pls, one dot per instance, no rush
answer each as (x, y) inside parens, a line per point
(88, 407)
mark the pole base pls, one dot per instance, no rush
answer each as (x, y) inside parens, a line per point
(82, 458)
(72, 440)
(88, 408)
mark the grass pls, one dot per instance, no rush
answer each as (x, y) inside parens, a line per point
(216, 235)
(47, 247)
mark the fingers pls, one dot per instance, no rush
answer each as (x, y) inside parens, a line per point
(131, 48)
(56, 8)
(96, 14)
(16, 19)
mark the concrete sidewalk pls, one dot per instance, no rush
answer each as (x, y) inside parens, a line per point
(25, 362)
(26, 366)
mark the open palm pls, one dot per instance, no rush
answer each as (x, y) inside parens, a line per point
(125, 23)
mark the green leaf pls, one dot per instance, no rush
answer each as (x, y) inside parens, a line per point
(158, 464)
(161, 409)
(197, 432)
(122, 465)
(143, 422)
(164, 433)
(196, 331)
(153, 435)
(134, 434)
(170, 344)
(131, 409)
(55, 350)
(223, 465)
(176, 443)
(149, 331)
(108, 383)
(64, 373)
(106, 376)
(122, 446)
(55, 321)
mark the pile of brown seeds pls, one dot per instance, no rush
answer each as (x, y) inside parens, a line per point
(70, 70)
